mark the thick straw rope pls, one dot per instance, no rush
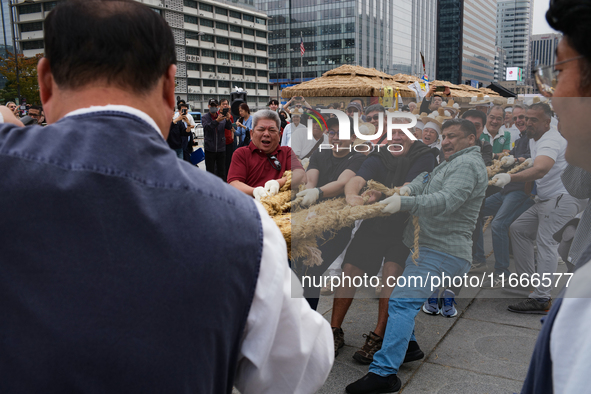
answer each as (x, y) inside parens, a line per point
(487, 223)
(496, 168)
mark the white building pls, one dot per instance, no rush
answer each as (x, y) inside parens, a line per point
(514, 30)
(219, 45)
(543, 49)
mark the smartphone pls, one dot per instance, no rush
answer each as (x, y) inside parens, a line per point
(440, 89)
(184, 111)
(225, 111)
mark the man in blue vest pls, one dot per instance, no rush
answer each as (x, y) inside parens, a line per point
(116, 273)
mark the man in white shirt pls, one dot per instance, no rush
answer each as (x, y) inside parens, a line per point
(554, 207)
(296, 116)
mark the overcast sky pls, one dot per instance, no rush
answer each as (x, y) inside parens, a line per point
(540, 24)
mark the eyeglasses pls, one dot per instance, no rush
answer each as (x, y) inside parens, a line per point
(547, 77)
(375, 117)
(352, 110)
(274, 162)
(519, 117)
(332, 133)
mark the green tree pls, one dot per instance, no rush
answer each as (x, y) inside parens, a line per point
(27, 67)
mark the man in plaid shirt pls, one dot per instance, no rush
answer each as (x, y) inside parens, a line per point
(447, 202)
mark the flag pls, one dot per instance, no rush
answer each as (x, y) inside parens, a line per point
(302, 49)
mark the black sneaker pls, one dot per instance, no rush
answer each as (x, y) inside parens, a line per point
(531, 305)
(373, 343)
(413, 353)
(339, 339)
(375, 384)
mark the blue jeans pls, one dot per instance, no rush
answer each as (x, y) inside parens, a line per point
(405, 302)
(179, 153)
(478, 243)
(505, 208)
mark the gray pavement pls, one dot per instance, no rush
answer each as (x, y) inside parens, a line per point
(484, 349)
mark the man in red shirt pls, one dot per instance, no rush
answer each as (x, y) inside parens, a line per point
(257, 169)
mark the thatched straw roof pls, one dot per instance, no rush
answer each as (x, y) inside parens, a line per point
(356, 70)
(351, 81)
(345, 86)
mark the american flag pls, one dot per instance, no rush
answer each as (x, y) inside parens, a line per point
(302, 49)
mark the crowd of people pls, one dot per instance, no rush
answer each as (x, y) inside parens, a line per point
(148, 274)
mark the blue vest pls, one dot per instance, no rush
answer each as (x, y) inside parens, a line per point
(122, 268)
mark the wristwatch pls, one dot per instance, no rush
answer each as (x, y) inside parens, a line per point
(320, 193)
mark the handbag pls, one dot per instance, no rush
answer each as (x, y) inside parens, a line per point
(197, 156)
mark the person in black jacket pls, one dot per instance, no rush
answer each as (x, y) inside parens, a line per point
(214, 125)
(176, 136)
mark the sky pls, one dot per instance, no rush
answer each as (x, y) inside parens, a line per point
(540, 24)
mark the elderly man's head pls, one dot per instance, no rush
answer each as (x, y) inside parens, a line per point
(400, 143)
(266, 126)
(572, 93)
(519, 118)
(495, 119)
(90, 53)
(457, 134)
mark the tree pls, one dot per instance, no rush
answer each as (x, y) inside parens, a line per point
(27, 68)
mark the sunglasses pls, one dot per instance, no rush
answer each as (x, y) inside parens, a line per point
(375, 117)
(519, 117)
(351, 110)
(276, 164)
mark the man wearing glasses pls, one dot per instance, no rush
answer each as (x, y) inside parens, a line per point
(560, 362)
(36, 112)
(257, 169)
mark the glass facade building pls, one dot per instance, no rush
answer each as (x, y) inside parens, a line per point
(514, 30)
(386, 35)
(466, 40)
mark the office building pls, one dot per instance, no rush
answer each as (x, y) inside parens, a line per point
(466, 41)
(385, 34)
(220, 45)
(500, 64)
(514, 30)
(543, 49)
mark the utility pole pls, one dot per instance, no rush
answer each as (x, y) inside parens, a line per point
(13, 25)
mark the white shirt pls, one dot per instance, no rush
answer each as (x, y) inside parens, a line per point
(570, 343)
(189, 116)
(286, 138)
(553, 145)
(300, 143)
(286, 347)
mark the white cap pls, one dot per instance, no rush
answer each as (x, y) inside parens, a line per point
(433, 126)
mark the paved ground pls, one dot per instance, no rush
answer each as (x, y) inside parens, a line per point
(485, 349)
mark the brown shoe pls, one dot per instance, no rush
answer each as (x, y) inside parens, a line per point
(373, 343)
(339, 339)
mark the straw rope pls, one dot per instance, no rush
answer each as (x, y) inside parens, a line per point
(496, 168)
(487, 223)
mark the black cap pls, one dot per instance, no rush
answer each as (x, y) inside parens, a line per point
(214, 102)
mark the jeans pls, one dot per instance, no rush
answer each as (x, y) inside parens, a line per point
(406, 301)
(478, 242)
(505, 208)
(179, 153)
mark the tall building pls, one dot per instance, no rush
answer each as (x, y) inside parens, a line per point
(219, 44)
(500, 64)
(6, 33)
(385, 34)
(514, 30)
(466, 40)
(543, 49)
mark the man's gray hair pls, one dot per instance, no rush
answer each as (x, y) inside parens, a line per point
(265, 114)
(499, 107)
